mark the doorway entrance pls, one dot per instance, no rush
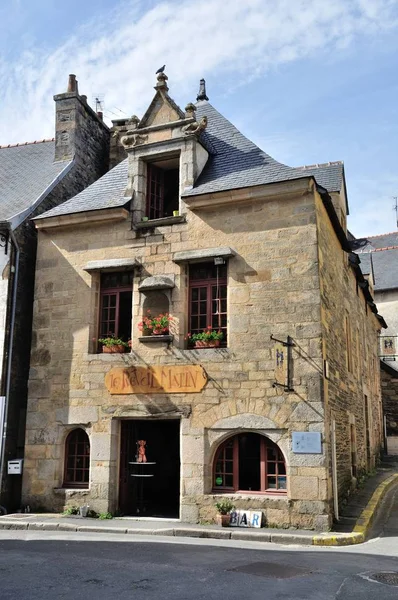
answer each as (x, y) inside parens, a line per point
(151, 488)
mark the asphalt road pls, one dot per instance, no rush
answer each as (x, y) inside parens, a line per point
(52, 566)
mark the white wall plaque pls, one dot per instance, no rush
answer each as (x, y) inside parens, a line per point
(306, 442)
(15, 466)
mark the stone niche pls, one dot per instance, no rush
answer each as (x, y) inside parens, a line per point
(156, 294)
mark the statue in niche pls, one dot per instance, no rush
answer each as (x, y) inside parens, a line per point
(141, 456)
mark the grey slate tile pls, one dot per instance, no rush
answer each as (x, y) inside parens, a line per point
(106, 192)
(25, 173)
(234, 162)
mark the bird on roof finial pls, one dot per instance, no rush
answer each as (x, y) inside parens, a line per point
(161, 70)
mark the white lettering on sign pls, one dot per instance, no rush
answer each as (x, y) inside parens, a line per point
(246, 518)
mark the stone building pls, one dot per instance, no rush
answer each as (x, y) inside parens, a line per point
(35, 177)
(199, 222)
(379, 263)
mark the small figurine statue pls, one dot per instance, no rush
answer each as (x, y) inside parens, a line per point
(141, 457)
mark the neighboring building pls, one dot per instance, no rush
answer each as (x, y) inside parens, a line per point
(379, 261)
(35, 177)
(200, 222)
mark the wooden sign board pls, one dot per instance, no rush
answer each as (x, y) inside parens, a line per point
(281, 363)
(181, 379)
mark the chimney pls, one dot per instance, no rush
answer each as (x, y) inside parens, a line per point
(79, 130)
(72, 84)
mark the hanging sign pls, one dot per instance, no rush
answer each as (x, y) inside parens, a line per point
(283, 359)
(281, 362)
(181, 379)
(388, 346)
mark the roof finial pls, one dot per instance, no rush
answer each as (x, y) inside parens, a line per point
(202, 91)
(162, 82)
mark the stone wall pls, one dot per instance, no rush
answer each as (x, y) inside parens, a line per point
(273, 288)
(350, 346)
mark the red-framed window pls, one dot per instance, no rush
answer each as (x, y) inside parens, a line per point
(249, 462)
(116, 305)
(162, 188)
(155, 192)
(208, 298)
(77, 459)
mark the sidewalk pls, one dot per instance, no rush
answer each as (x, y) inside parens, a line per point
(353, 528)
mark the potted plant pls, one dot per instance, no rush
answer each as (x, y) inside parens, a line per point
(176, 213)
(224, 508)
(113, 345)
(145, 219)
(158, 325)
(208, 338)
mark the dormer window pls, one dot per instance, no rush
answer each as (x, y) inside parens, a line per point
(163, 187)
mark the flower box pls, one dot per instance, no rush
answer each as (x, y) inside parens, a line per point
(115, 349)
(207, 344)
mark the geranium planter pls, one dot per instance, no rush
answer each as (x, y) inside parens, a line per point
(115, 349)
(206, 344)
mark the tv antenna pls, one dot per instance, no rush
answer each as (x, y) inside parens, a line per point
(395, 207)
(99, 102)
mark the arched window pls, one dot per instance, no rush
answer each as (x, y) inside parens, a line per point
(77, 459)
(249, 462)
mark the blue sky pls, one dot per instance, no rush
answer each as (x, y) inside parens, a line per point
(309, 81)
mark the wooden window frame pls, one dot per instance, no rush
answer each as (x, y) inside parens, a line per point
(154, 192)
(208, 284)
(265, 443)
(107, 292)
(77, 483)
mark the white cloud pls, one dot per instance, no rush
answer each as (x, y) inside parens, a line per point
(117, 54)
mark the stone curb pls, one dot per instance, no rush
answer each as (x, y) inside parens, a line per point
(218, 534)
(364, 521)
(357, 536)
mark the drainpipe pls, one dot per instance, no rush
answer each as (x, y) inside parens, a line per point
(9, 357)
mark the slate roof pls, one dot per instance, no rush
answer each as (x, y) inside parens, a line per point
(366, 263)
(106, 192)
(237, 162)
(25, 173)
(385, 266)
(382, 250)
(234, 162)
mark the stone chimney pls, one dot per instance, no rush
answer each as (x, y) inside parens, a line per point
(79, 132)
